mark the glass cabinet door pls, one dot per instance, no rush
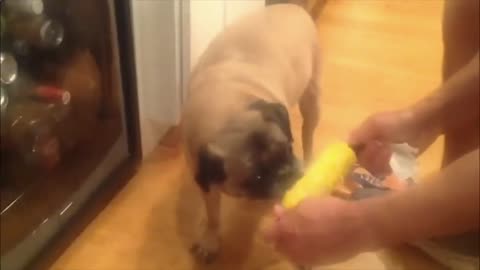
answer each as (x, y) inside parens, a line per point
(61, 107)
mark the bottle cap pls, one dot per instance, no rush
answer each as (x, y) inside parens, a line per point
(21, 47)
(66, 97)
(52, 33)
(2, 25)
(9, 68)
(36, 6)
(3, 100)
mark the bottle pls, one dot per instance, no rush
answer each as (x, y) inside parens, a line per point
(38, 31)
(51, 94)
(24, 7)
(9, 68)
(56, 99)
(30, 135)
(3, 110)
(26, 88)
(3, 100)
(2, 25)
(21, 48)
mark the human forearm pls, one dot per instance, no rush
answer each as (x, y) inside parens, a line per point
(438, 206)
(455, 103)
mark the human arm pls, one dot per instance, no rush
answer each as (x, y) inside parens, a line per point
(329, 230)
(435, 207)
(454, 104)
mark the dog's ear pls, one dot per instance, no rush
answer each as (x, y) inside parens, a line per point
(210, 168)
(275, 112)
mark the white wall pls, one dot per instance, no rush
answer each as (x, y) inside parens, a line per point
(237, 8)
(208, 17)
(206, 20)
(170, 35)
(156, 29)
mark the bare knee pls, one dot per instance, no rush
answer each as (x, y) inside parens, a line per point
(309, 108)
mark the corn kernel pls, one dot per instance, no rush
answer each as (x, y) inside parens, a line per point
(323, 175)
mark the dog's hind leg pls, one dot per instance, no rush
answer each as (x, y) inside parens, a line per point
(309, 108)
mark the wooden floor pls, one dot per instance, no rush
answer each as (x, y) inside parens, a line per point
(378, 54)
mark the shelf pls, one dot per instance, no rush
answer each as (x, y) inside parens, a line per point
(29, 207)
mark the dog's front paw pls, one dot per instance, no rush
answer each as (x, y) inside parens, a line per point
(207, 248)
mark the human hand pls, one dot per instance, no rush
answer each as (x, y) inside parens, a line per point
(382, 129)
(320, 231)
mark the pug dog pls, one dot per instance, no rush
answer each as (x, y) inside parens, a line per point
(236, 127)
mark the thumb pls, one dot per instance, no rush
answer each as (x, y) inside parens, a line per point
(365, 132)
(360, 135)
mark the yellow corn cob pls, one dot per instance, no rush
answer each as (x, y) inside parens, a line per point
(323, 175)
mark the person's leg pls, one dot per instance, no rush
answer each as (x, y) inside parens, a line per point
(461, 43)
(316, 8)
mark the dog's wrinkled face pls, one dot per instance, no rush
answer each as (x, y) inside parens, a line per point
(253, 157)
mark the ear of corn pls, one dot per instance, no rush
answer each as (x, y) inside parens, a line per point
(323, 175)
